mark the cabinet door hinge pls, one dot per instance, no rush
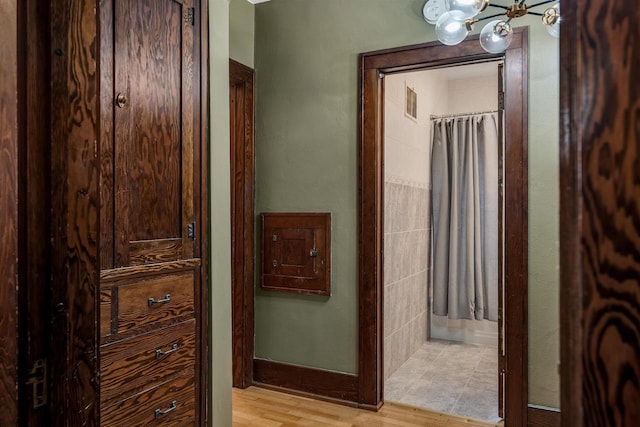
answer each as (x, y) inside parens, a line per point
(501, 100)
(191, 231)
(37, 378)
(190, 16)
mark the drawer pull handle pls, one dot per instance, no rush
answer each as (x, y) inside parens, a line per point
(160, 353)
(159, 412)
(153, 301)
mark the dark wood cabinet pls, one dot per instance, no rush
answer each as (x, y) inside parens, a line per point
(103, 306)
(151, 283)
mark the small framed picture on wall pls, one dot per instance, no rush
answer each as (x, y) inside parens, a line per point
(411, 103)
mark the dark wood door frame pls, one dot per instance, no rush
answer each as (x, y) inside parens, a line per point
(9, 144)
(370, 134)
(241, 88)
(599, 213)
(75, 206)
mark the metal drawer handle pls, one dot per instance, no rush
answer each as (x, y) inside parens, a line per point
(153, 301)
(171, 408)
(160, 353)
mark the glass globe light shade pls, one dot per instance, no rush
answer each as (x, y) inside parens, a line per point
(451, 28)
(469, 8)
(496, 36)
(551, 20)
(433, 9)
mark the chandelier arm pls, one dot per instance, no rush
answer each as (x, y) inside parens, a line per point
(535, 13)
(498, 6)
(540, 3)
(484, 18)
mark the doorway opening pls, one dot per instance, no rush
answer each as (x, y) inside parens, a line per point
(374, 66)
(443, 216)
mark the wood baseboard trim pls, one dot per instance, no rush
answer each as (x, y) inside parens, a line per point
(308, 382)
(542, 417)
(305, 394)
(374, 408)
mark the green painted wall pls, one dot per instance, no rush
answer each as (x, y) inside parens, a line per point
(241, 31)
(306, 129)
(544, 208)
(219, 406)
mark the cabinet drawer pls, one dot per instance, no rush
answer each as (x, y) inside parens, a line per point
(160, 298)
(170, 404)
(147, 359)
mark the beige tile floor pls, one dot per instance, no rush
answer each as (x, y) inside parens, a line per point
(450, 377)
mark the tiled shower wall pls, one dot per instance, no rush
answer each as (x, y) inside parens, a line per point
(406, 214)
(406, 266)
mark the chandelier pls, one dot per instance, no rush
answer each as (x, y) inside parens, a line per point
(454, 19)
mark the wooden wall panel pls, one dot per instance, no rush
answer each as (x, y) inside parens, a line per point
(75, 212)
(8, 213)
(600, 213)
(148, 185)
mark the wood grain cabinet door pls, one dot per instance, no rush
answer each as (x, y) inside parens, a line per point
(154, 106)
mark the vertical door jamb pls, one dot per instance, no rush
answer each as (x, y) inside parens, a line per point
(370, 254)
(241, 91)
(501, 319)
(202, 183)
(9, 117)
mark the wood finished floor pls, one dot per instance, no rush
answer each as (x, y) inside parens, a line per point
(260, 407)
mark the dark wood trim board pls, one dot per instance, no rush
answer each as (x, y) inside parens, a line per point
(241, 93)
(9, 214)
(543, 417)
(203, 184)
(75, 212)
(34, 198)
(370, 192)
(317, 383)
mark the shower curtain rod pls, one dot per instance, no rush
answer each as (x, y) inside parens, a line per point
(446, 116)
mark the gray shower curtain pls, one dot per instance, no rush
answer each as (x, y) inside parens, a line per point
(464, 179)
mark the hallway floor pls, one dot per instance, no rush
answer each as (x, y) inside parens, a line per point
(265, 408)
(450, 377)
